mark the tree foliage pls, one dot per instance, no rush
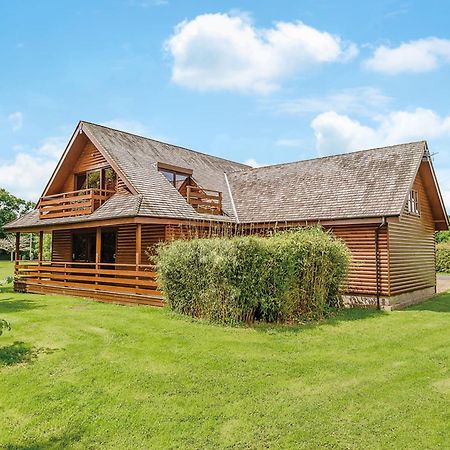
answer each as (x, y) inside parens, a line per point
(11, 208)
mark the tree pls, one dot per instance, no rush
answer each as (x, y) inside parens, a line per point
(443, 236)
(11, 208)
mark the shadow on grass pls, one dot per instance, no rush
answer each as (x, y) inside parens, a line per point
(20, 353)
(334, 319)
(10, 304)
(439, 303)
(53, 442)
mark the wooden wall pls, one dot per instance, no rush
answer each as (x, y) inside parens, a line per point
(361, 242)
(90, 159)
(412, 247)
(126, 242)
(62, 246)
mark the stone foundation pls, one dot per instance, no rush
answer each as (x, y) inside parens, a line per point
(389, 303)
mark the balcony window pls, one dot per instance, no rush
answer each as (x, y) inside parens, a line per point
(177, 176)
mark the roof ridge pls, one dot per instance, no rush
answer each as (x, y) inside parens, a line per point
(269, 166)
(165, 143)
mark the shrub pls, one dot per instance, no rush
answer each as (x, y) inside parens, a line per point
(443, 257)
(291, 275)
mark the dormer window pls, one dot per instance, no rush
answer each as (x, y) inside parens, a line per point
(177, 176)
(413, 203)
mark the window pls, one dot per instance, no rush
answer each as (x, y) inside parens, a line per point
(413, 203)
(178, 177)
(103, 178)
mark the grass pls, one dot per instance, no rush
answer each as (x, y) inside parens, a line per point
(85, 375)
(6, 269)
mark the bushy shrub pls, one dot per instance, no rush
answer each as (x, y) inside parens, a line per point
(443, 257)
(291, 275)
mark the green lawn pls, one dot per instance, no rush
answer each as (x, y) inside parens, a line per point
(80, 374)
(6, 269)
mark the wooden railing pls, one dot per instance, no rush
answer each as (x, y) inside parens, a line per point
(75, 203)
(132, 279)
(204, 201)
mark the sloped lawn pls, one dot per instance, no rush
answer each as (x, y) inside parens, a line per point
(86, 375)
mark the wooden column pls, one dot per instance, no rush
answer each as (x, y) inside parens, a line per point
(98, 250)
(138, 250)
(17, 247)
(138, 245)
(41, 242)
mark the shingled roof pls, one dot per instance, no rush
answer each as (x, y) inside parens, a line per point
(367, 183)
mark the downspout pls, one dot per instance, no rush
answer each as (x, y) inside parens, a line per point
(378, 260)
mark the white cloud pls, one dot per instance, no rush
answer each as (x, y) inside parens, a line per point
(225, 52)
(26, 175)
(16, 120)
(443, 176)
(337, 133)
(361, 100)
(253, 163)
(422, 55)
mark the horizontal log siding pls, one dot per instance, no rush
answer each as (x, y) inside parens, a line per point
(62, 245)
(126, 245)
(412, 248)
(361, 242)
(90, 159)
(151, 236)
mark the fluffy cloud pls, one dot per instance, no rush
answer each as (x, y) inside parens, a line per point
(358, 100)
(253, 163)
(26, 175)
(422, 55)
(15, 119)
(221, 51)
(335, 132)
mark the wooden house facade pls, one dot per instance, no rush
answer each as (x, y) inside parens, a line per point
(115, 195)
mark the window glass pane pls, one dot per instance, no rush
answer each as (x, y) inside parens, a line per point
(180, 179)
(93, 180)
(169, 175)
(109, 179)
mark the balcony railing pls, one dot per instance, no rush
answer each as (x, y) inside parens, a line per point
(102, 279)
(75, 203)
(204, 201)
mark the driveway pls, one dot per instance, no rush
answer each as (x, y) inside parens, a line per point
(443, 283)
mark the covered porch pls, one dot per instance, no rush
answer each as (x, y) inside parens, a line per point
(108, 263)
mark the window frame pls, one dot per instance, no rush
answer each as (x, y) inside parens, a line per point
(413, 204)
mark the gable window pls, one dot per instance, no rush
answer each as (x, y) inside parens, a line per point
(413, 203)
(177, 176)
(96, 179)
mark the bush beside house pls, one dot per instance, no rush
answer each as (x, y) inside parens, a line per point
(290, 276)
(443, 257)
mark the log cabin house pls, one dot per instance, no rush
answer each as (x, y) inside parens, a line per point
(114, 195)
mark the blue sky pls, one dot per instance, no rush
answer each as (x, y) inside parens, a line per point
(256, 81)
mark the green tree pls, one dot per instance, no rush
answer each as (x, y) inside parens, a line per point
(11, 208)
(443, 236)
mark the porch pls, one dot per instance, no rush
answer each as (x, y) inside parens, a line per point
(105, 263)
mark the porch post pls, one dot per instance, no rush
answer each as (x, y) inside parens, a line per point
(41, 241)
(138, 245)
(17, 255)
(98, 247)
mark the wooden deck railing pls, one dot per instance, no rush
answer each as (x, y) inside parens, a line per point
(75, 203)
(204, 201)
(138, 280)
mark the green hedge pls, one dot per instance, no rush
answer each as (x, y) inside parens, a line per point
(443, 257)
(291, 275)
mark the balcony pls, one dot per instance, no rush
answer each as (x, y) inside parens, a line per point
(72, 204)
(204, 201)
